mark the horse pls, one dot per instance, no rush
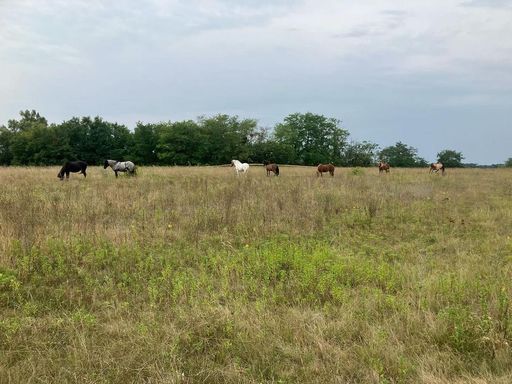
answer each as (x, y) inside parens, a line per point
(271, 167)
(325, 168)
(120, 166)
(436, 167)
(383, 167)
(72, 166)
(239, 167)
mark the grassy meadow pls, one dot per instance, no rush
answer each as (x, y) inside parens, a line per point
(192, 275)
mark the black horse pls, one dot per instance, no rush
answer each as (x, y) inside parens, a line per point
(72, 166)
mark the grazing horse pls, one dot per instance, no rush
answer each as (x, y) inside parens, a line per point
(383, 167)
(436, 167)
(120, 166)
(239, 167)
(271, 167)
(72, 166)
(325, 168)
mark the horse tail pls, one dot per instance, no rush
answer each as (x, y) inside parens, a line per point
(277, 170)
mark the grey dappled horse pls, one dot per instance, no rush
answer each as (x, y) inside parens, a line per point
(120, 166)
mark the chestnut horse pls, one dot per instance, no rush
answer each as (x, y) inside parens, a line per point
(383, 167)
(436, 167)
(325, 168)
(271, 167)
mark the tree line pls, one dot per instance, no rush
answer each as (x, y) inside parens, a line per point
(301, 138)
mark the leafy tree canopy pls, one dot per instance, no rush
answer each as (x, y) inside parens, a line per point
(301, 138)
(450, 158)
(313, 138)
(360, 154)
(402, 155)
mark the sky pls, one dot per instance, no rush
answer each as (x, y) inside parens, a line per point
(435, 74)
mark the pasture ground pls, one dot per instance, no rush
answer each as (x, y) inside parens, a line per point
(185, 275)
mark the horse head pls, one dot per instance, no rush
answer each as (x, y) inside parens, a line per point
(105, 164)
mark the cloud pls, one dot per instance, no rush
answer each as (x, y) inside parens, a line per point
(358, 61)
(488, 3)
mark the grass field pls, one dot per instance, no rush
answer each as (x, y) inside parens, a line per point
(192, 275)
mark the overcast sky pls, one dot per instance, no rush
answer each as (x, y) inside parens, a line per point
(434, 74)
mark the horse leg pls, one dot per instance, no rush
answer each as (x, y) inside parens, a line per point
(67, 175)
(84, 173)
(115, 173)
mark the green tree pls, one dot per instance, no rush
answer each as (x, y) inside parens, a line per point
(313, 138)
(402, 155)
(508, 162)
(180, 143)
(29, 119)
(264, 147)
(226, 138)
(271, 151)
(77, 132)
(30, 139)
(122, 142)
(360, 154)
(5, 146)
(103, 140)
(450, 158)
(145, 141)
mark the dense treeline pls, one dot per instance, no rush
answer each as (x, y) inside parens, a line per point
(302, 138)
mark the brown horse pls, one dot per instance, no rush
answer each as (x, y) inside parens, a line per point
(271, 167)
(436, 167)
(383, 167)
(325, 168)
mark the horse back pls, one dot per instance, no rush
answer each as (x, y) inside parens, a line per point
(75, 166)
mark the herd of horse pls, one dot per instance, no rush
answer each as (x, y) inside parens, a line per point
(130, 168)
(81, 167)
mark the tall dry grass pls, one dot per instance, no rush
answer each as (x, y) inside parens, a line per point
(184, 275)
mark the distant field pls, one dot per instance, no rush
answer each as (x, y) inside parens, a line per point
(190, 274)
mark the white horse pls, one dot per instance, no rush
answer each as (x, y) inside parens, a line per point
(120, 166)
(239, 167)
